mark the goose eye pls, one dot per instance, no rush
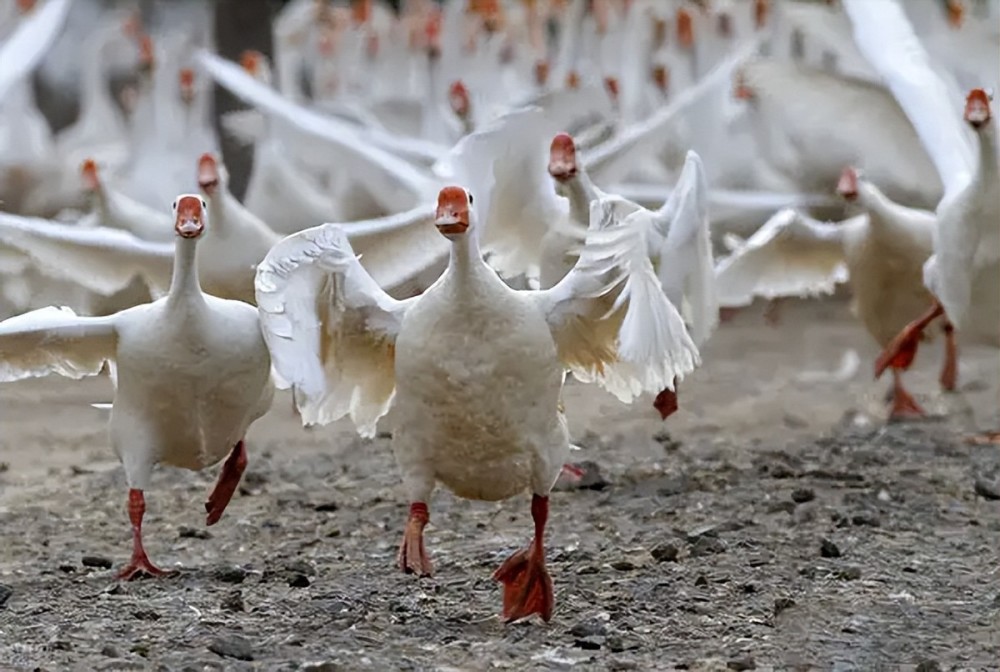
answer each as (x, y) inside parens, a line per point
(203, 206)
(174, 205)
(471, 200)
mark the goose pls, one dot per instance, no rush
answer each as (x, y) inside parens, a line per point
(880, 252)
(116, 210)
(963, 273)
(349, 349)
(191, 371)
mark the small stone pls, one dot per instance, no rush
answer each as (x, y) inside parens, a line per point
(5, 593)
(185, 532)
(588, 628)
(300, 567)
(589, 643)
(68, 568)
(783, 603)
(987, 490)
(740, 664)
(334, 533)
(140, 649)
(298, 581)
(803, 495)
(849, 573)
(707, 546)
(828, 549)
(586, 569)
(587, 476)
(996, 600)
(233, 601)
(701, 581)
(98, 561)
(928, 665)
(664, 552)
(615, 644)
(326, 507)
(146, 615)
(866, 518)
(325, 666)
(228, 574)
(111, 651)
(59, 645)
(622, 664)
(232, 647)
(781, 507)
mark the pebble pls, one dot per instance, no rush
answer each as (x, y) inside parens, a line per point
(111, 651)
(707, 546)
(233, 601)
(783, 603)
(146, 615)
(803, 495)
(5, 593)
(298, 581)
(589, 628)
(327, 507)
(849, 573)
(987, 490)
(828, 549)
(740, 664)
(589, 643)
(622, 664)
(228, 574)
(928, 665)
(866, 518)
(324, 666)
(185, 532)
(98, 561)
(66, 567)
(590, 479)
(701, 581)
(664, 552)
(232, 647)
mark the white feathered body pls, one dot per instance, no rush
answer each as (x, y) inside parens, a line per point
(192, 376)
(478, 383)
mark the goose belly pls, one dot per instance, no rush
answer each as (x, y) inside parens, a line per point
(477, 409)
(888, 288)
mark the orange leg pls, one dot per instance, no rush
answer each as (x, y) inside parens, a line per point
(139, 564)
(527, 586)
(229, 479)
(949, 372)
(412, 557)
(903, 405)
(900, 352)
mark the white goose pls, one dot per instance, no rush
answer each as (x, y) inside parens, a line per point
(350, 349)
(192, 374)
(963, 274)
(881, 253)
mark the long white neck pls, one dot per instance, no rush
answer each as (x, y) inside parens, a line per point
(580, 191)
(184, 284)
(987, 141)
(465, 256)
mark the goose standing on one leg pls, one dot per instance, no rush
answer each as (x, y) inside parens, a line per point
(192, 373)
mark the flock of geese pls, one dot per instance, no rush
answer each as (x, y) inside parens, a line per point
(522, 191)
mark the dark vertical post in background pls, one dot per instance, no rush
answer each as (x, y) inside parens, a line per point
(239, 25)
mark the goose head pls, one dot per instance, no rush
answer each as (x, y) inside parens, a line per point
(977, 108)
(573, 80)
(685, 28)
(741, 90)
(761, 9)
(189, 216)
(187, 85)
(210, 174)
(661, 78)
(458, 98)
(562, 158)
(612, 87)
(541, 72)
(88, 172)
(256, 65)
(847, 186)
(956, 13)
(454, 212)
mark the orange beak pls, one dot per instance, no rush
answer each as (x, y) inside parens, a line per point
(208, 174)
(458, 98)
(250, 61)
(541, 72)
(611, 84)
(88, 170)
(740, 89)
(956, 13)
(562, 158)
(977, 108)
(661, 77)
(761, 8)
(573, 80)
(685, 29)
(847, 187)
(452, 215)
(187, 85)
(189, 217)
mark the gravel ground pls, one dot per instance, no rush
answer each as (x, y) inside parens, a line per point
(773, 523)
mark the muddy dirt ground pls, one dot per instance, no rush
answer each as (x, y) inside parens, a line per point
(774, 522)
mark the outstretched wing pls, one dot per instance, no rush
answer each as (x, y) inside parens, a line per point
(23, 50)
(330, 328)
(610, 320)
(55, 340)
(790, 255)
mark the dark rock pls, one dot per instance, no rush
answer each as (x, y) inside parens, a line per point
(781, 507)
(140, 649)
(707, 546)
(146, 615)
(111, 651)
(828, 549)
(325, 666)
(98, 561)
(68, 568)
(589, 477)
(298, 581)
(669, 444)
(928, 665)
(987, 490)
(5, 593)
(59, 645)
(326, 507)
(300, 567)
(782, 603)
(740, 664)
(228, 574)
(232, 647)
(614, 644)
(664, 552)
(589, 643)
(996, 600)
(866, 518)
(622, 664)
(233, 601)
(185, 532)
(849, 573)
(803, 495)
(701, 581)
(588, 628)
